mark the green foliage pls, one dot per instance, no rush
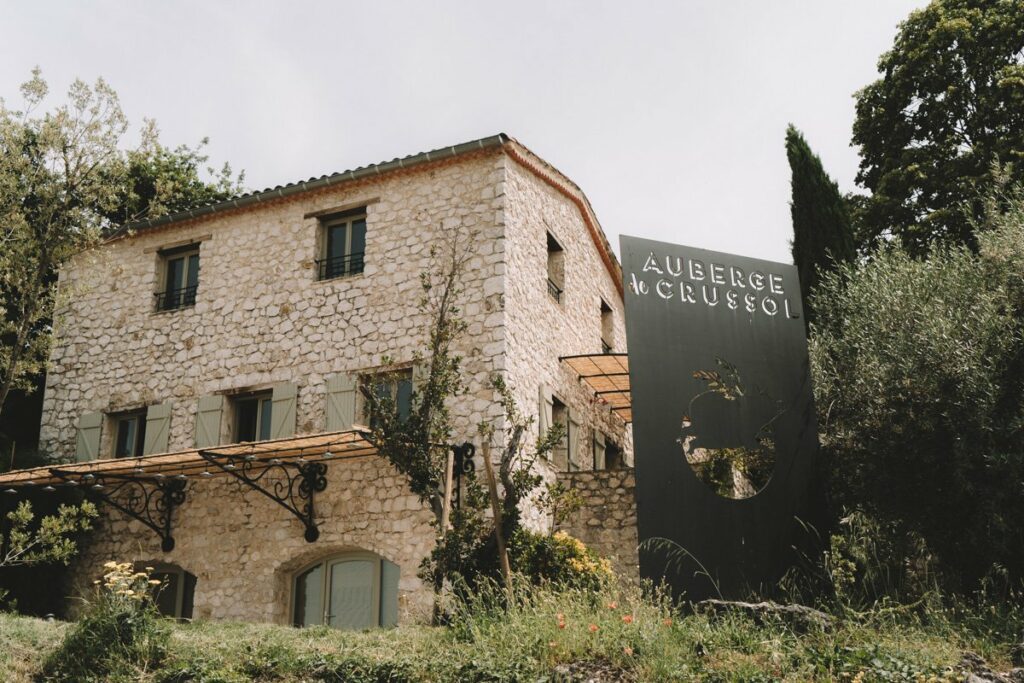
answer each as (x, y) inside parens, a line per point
(414, 444)
(159, 180)
(822, 234)
(51, 539)
(558, 559)
(547, 633)
(919, 381)
(948, 105)
(65, 181)
(120, 636)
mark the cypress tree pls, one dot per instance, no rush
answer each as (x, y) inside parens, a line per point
(822, 231)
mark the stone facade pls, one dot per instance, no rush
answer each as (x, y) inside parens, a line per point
(261, 318)
(607, 520)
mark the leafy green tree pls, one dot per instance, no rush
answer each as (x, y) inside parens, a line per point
(822, 235)
(948, 106)
(64, 181)
(919, 380)
(50, 539)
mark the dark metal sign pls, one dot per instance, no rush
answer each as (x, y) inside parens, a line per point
(724, 428)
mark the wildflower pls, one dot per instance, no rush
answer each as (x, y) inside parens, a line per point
(627, 619)
(552, 644)
(628, 651)
(561, 624)
(154, 582)
(593, 628)
(613, 605)
(666, 622)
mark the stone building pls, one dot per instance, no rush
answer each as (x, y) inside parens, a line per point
(253, 321)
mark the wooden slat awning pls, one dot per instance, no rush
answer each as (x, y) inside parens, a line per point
(608, 375)
(325, 446)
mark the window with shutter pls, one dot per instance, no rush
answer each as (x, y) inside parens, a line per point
(158, 425)
(208, 418)
(573, 461)
(544, 409)
(283, 413)
(341, 402)
(87, 441)
(599, 446)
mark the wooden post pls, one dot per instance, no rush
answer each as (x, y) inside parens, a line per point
(492, 485)
(446, 503)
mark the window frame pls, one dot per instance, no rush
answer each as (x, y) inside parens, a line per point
(118, 419)
(607, 328)
(264, 401)
(183, 589)
(555, 268)
(563, 444)
(183, 294)
(393, 378)
(325, 564)
(350, 266)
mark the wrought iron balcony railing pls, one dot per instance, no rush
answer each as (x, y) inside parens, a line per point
(329, 268)
(554, 290)
(172, 299)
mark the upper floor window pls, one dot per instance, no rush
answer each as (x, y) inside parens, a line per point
(556, 268)
(180, 278)
(129, 434)
(394, 388)
(343, 244)
(253, 413)
(607, 328)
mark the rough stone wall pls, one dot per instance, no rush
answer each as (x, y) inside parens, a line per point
(261, 317)
(607, 520)
(540, 330)
(244, 549)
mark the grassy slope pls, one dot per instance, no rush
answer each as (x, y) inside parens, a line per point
(530, 643)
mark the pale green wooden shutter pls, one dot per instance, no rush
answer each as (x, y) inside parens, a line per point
(574, 442)
(420, 375)
(282, 415)
(87, 442)
(158, 427)
(389, 574)
(208, 416)
(544, 410)
(599, 450)
(341, 402)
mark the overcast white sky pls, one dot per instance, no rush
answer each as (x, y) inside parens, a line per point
(669, 115)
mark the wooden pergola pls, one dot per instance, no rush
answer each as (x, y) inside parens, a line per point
(148, 488)
(608, 375)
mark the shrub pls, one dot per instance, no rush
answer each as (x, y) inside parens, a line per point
(120, 634)
(560, 559)
(919, 381)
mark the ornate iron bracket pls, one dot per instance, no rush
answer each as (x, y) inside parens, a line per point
(149, 499)
(463, 465)
(294, 492)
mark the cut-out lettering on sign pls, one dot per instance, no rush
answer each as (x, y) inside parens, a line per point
(723, 417)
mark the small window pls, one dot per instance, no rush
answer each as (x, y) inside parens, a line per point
(614, 457)
(391, 386)
(607, 328)
(353, 591)
(180, 278)
(252, 417)
(174, 594)
(343, 245)
(556, 269)
(560, 415)
(129, 434)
